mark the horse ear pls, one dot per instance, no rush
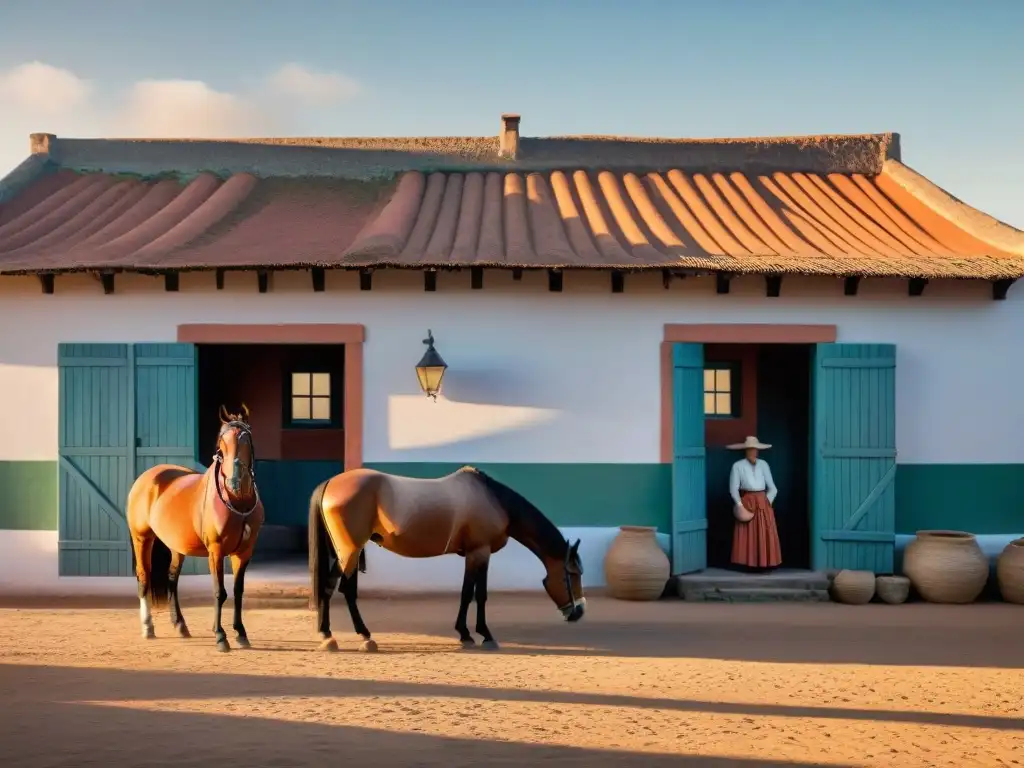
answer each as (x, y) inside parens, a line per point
(575, 548)
(225, 417)
(245, 413)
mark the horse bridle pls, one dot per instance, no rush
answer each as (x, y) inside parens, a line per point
(218, 460)
(571, 605)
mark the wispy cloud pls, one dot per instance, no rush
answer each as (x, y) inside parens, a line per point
(312, 88)
(42, 89)
(36, 96)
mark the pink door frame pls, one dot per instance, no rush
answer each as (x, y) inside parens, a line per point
(350, 334)
(724, 333)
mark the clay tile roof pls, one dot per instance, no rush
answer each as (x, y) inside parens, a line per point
(813, 205)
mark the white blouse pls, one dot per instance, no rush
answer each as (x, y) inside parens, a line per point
(751, 477)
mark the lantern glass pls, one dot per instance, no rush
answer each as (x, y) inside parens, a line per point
(430, 369)
(430, 378)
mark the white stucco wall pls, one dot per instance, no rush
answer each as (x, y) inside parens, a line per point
(513, 568)
(537, 376)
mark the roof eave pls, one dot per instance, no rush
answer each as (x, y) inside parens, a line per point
(990, 230)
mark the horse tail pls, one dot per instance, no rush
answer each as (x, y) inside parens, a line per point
(159, 575)
(319, 546)
(159, 572)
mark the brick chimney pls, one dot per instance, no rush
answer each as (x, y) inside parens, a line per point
(508, 139)
(40, 143)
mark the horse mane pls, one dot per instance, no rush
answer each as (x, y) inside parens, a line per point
(523, 517)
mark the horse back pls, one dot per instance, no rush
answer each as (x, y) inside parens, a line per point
(160, 487)
(454, 513)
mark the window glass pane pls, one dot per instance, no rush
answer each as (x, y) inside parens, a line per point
(723, 380)
(300, 408)
(300, 383)
(723, 404)
(709, 404)
(322, 408)
(709, 380)
(322, 384)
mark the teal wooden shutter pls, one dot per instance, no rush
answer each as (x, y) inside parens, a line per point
(123, 409)
(689, 492)
(166, 420)
(854, 454)
(95, 467)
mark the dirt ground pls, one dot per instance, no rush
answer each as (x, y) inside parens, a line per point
(632, 685)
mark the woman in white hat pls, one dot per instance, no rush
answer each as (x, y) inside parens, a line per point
(755, 538)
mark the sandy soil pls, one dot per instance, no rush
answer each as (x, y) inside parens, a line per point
(632, 685)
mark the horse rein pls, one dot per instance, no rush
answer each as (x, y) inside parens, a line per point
(571, 605)
(218, 460)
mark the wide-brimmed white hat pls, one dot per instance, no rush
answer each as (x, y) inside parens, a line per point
(750, 442)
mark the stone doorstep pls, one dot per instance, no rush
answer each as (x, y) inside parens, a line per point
(720, 585)
(709, 585)
(757, 596)
(714, 579)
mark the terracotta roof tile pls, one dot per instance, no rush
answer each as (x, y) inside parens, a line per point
(774, 223)
(847, 208)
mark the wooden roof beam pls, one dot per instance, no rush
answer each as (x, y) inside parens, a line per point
(1001, 287)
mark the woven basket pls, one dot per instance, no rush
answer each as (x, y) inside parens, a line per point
(853, 587)
(1010, 572)
(946, 566)
(892, 589)
(635, 566)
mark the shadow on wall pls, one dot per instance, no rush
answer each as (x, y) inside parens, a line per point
(417, 426)
(498, 387)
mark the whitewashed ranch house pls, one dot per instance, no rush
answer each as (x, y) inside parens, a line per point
(612, 311)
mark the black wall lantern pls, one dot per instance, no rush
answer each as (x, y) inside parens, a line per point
(430, 369)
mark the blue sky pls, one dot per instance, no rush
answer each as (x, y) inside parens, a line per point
(949, 76)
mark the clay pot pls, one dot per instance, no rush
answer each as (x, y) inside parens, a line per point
(946, 566)
(1010, 572)
(635, 566)
(853, 587)
(892, 589)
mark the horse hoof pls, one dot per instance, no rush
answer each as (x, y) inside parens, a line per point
(148, 633)
(490, 645)
(222, 646)
(329, 644)
(368, 646)
(243, 641)
(471, 643)
(182, 631)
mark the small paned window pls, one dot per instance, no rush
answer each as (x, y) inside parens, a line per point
(311, 398)
(721, 391)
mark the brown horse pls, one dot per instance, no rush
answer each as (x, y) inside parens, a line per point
(467, 513)
(213, 514)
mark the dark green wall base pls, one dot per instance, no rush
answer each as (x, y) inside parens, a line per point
(596, 495)
(28, 495)
(980, 498)
(285, 488)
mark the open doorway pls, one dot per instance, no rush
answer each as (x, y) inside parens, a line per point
(763, 390)
(295, 395)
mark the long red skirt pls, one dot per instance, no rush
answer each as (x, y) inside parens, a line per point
(755, 544)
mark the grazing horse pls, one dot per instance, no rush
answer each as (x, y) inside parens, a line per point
(467, 513)
(213, 514)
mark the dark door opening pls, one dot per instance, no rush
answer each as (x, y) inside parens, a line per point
(761, 390)
(295, 395)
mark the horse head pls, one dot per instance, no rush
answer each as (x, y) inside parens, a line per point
(564, 583)
(235, 457)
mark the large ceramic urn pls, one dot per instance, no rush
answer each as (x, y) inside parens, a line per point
(635, 567)
(946, 566)
(1010, 572)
